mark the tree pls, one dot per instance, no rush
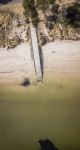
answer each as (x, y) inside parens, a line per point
(30, 11)
(73, 14)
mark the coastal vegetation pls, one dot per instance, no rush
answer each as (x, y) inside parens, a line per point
(69, 14)
(13, 29)
(60, 21)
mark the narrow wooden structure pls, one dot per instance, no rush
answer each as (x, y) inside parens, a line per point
(36, 55)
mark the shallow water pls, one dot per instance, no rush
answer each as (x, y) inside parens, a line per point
(49, 110)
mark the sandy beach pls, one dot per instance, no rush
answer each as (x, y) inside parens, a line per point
(58, 57)
(62, 57)
(16, 64)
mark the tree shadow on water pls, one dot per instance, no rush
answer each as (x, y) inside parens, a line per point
(47, 145)
(5, 1)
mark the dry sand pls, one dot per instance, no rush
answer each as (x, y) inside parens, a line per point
(59, 57)
(62, 57)
(16, 63)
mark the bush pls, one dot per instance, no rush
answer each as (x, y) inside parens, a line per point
(44, 4)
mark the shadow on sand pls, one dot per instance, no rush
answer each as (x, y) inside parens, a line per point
(5, 1)
(41, 60)
(47, 145)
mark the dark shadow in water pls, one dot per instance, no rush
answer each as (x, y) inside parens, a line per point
(41, 60)
(5, 1)
(47, 145)
(25, 82)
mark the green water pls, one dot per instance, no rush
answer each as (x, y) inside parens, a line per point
(50, 110)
